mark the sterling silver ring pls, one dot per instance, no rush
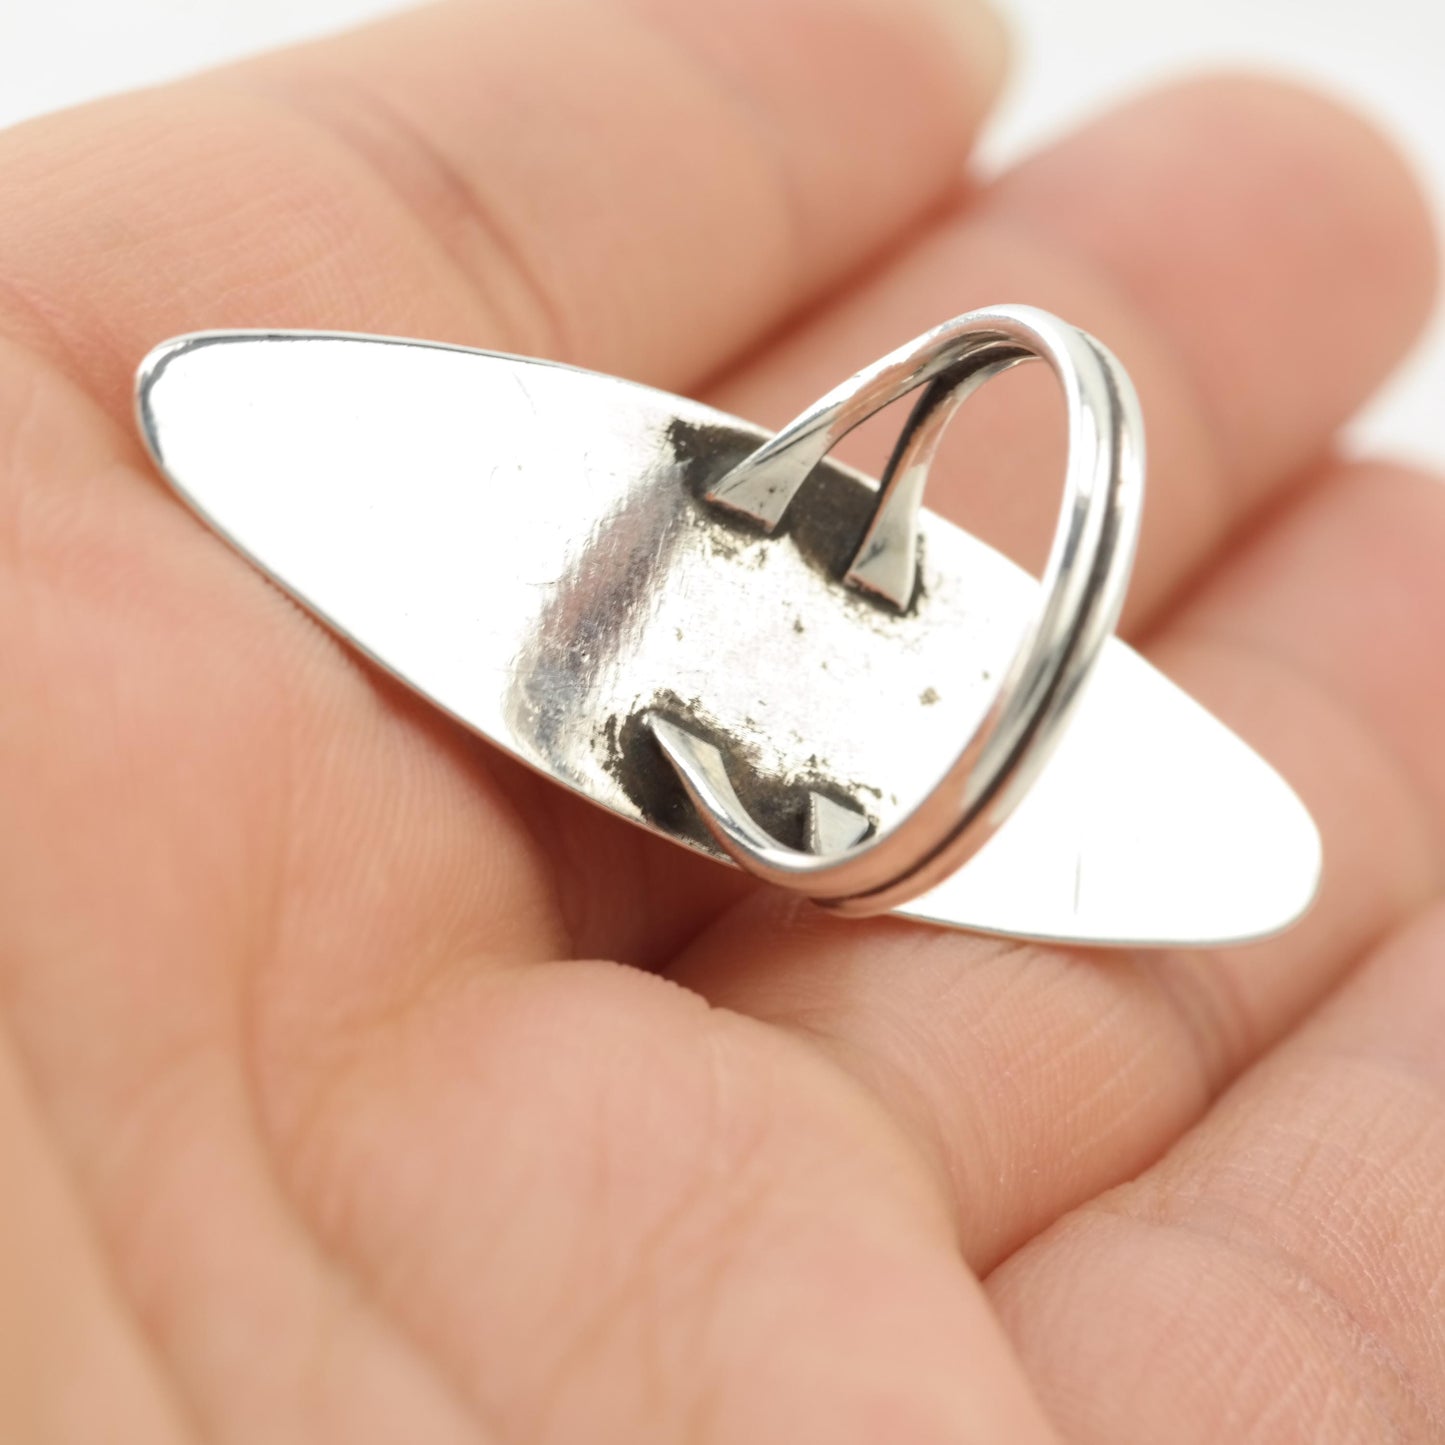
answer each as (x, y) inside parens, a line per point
(723, 636)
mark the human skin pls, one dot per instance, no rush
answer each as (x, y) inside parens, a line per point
(357, 1086)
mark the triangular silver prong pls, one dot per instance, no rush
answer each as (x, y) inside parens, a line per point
(832, 827)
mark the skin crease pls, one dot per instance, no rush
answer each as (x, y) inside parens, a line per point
(357, 1087)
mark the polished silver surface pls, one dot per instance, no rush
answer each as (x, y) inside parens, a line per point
(532, 548)
(1077, 605)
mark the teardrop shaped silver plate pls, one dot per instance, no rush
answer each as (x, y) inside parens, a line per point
(527, 546)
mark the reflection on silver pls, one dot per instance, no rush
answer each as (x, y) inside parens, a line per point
(533, 548)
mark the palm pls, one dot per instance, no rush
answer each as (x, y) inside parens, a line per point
(324, 1116)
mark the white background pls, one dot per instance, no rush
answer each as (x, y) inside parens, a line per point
(1073, 55)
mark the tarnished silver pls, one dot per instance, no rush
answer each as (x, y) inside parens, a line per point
(1083, 589)
(581, 570)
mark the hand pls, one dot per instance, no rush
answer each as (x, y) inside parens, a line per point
(349, 1093)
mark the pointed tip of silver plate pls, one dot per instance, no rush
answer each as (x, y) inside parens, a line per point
(1154, 825)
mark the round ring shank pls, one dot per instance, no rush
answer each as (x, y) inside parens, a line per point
(1082, 591)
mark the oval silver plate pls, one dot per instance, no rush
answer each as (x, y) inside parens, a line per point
(524, 544)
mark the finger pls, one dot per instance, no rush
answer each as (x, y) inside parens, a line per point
(668, 1223)
(557, 1203)
(73, 1365)
(1277, 1276)
(1257, 257)
(640, 185)
(1037, 1077)
(1281, 347)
